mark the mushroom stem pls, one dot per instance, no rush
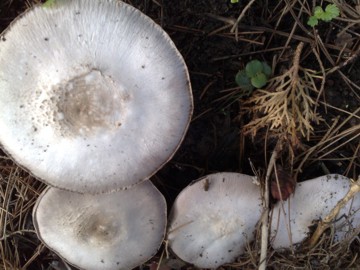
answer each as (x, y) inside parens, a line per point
(265, 215)
(326, 222)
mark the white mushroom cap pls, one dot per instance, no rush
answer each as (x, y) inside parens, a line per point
(213, 219)
(313, 200)
(91, 90)
(119, 230)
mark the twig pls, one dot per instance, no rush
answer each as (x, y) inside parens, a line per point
(325, 223)
(265, 215)
(37, 252)
(242, 14)
(21, 232)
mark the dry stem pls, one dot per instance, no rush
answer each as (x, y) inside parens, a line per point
(286, 107)
(18, 192)
(326, 222)
(265, 215)
(242, 14)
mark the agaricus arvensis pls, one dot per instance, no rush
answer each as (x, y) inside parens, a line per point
(94, 96)
(214, 218)
(112, 231)
(313, 200)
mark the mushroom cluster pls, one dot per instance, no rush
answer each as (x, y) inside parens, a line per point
(94, 99)
(214, 218)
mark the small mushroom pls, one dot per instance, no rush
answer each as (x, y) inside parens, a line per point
(120, 230)
(91, 90)
(313, 200)
(214, 218)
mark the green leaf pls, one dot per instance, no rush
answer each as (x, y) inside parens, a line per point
(242, 79)
(331, 12)
(253, 68)
(244, 82)
(234, 1)
(259, 80)
(313, 21)
(266, 69)
(318, 13)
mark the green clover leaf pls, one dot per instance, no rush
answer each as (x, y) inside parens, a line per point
(266, 69)
(259, 80)
(255, 75)
(243, 80)
(253, 67)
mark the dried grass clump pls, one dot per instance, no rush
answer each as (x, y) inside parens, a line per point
(327, 254)
(19, 245)
(286, 106)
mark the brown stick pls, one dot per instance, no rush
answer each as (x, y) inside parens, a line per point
(242, 14)
(326, 222)
(265, 215)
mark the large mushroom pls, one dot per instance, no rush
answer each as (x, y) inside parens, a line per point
(94, 96)
(119, 230)
(312, 201)
(214, 218)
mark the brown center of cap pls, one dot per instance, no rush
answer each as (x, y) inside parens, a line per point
(88, 103)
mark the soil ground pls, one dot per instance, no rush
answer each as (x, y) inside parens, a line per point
(223, 135)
